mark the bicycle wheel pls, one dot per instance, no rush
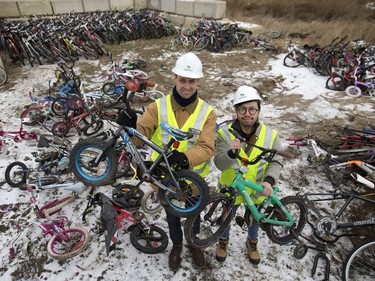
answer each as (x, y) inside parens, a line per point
(151, 241)
(15, 174)
(63, 249)
(176, 42)
(201, 43)
(32, 116)
(214, 220)
(188, 45)
(281, 234)
(109, 88)
(155, 94)
(264, 38)
(60, 129)
(336, 83)
(93, 127)
(291, 59)
(60, 106)
(60, 76)
(3, 76)
(193, 197)
(360, 263)
(353, 91)
(150, 202)
(83, 156)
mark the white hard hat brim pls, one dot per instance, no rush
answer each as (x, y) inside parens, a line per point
(187, 74)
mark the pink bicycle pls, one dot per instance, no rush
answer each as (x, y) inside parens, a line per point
(16, 136)
(66, 241)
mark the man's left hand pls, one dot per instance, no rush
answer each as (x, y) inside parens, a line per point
(268, 190)
(178, 159)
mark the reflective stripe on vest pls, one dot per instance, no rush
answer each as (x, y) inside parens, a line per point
(255, 172)
(196, 120)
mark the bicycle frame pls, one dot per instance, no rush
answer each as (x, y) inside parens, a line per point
(147, 173)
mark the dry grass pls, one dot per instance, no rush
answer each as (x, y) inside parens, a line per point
(328, 18)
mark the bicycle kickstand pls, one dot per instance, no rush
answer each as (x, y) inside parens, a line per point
(323, 256)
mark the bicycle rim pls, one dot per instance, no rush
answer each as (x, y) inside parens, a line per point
(193, 197)
(59, 249)
(360, 263)
(150, 202)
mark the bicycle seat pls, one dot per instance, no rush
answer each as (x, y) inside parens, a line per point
(78, 187)
(177, 133)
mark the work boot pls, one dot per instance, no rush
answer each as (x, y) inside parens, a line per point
(221, 251)
(252, 248)
(175, 257)
(198, 256)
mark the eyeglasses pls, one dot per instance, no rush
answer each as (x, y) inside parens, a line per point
(242, 110)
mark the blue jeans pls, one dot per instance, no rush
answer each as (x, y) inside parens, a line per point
(252, 230)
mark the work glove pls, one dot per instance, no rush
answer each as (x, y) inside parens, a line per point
(178, 160)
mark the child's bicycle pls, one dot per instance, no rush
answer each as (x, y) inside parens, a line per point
(66, 241)
(145, 237)
(281, 219)
(16, 136)
(183, 193)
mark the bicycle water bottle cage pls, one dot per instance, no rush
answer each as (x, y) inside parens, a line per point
(177, 133)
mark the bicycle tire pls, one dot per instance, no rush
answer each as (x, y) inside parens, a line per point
(151, 242)
(32, 116)
(189, 204)
(336, 83)
(280, 234)
(83, 154)
(62, 250)
(16, 173)
(150, 202)
(353, 91)
(291, 60)
(60, 129)
(93, 127)
(201, 43)
(3, 76)
(212, 225)
(60, 106)
(109, 89)
(360, 263)
(264, 38)
(176, 42)
(188, 45)
(155, 94)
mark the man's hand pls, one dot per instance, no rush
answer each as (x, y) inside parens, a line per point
(268, 190)
(178, 160)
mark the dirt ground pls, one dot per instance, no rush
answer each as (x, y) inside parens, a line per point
(219, 81)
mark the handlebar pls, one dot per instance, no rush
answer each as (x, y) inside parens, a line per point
(266, 154)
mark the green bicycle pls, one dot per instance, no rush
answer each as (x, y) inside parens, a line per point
(281, 219)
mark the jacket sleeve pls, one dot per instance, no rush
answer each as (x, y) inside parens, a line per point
(274, 169)
(147, 123)
(204, 148)
(222, 160)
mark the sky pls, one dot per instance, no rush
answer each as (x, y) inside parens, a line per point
(127, 263)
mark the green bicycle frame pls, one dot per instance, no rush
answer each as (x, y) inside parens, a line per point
(240, 183)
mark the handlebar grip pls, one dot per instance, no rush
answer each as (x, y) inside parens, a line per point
(131, 86)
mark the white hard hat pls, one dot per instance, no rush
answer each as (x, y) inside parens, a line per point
(188, 65)
(246, 93)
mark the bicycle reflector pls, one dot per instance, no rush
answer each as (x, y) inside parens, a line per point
(176, 144)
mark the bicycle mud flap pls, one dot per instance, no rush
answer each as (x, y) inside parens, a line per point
(324, 257)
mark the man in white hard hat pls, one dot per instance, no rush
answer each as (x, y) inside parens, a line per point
(183, 109)
(246, 103)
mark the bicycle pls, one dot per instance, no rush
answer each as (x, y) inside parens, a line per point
(145, 237)
(359, 264)
(183, 39)
(334, 221)
(66, 241)
(182, 192)
(50, 163)
(16, 136)
(281, 219)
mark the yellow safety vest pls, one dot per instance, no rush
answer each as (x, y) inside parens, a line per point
(196, 120)
(257, 171)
